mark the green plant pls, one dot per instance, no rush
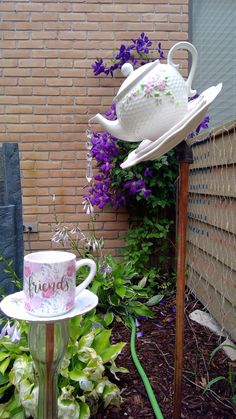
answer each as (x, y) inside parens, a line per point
(82, 385)
(9, 270)
(230, 379)
(120, 290)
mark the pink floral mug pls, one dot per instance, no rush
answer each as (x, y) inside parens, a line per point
(50, 282)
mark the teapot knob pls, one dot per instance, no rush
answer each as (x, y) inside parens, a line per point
(127, 69)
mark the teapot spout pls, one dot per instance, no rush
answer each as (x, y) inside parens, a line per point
(113, 127)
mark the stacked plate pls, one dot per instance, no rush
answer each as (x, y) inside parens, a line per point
(151, 150)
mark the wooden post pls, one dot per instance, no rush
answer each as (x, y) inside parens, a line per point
(184, 158)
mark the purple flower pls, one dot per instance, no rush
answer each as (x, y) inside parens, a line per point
(125, 55)
(98, 67)
(142, 44)
(205, 122)
(13, 332)
(161, 53)
(140, 334)
(119, 200)
(137, 324)
(148, 172)
(169, 319)
(111, 113)
(160, 326)
(203, 125)
(106, 167)
(134, 186)
(104, 147)
(146, 192)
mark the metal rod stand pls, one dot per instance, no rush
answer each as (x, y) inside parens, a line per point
(184, 157)
(47, 344)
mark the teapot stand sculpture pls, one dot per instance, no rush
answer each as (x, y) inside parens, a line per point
(152, 106)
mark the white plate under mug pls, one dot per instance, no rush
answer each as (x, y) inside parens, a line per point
(13, 306)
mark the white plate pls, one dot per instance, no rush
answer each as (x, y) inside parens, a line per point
(13, 306)
(152, 150)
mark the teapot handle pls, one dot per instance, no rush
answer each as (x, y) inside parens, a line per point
(192, 49)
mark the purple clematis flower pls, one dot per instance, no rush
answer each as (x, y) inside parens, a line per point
(161, 53)
(106, 167)
(98, 67)
(148, 172)
(146, 192)
(142, 44)
(134, 186)
(111, 113)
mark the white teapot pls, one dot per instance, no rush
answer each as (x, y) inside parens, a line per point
(151, 100)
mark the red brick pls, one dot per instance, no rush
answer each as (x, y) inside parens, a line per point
(49, 91)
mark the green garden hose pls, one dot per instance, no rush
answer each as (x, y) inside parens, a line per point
(155, 406)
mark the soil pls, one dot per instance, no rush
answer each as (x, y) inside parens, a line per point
(155, 349)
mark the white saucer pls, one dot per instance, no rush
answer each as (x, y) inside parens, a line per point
(148, 150)
(13, 306)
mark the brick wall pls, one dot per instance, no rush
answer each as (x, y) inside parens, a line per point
(48, 92)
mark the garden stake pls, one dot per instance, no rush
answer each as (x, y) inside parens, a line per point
(184, 158)
(47, 344)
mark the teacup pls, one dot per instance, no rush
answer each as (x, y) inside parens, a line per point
(50, 282)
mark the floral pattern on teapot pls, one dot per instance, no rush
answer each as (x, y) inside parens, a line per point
(155, 87)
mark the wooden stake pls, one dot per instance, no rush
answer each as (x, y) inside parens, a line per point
(180, 292)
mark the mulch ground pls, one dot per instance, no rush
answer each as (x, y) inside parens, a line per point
(155, 350)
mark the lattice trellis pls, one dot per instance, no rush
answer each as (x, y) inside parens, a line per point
(211, 235)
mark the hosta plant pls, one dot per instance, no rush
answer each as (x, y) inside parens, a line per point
(83, 383)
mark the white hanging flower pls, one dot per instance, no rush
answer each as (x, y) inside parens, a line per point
(87, 206)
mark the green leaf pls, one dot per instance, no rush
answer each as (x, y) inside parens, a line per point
(110, 354)
(82, 379)
(4, 365)
(86, 340)
(143, 282)
(121, 291)
(154, 300)
(108, 318)
(114, 300)
(114, 369)
(3, 379)
(95, 286)
(102, 341)
(140, 309)
(4, 388)
(3, 355)
(213, 381)
(18, 413)
(84, 411)
(75, 327)
(111, 394)
(219, 348)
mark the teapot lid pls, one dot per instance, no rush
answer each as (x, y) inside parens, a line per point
(134, 76)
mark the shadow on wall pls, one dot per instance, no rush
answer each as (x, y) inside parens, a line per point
(11, 224)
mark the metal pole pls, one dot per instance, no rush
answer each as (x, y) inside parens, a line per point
(184, 156)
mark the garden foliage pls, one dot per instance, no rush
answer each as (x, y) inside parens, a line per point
(83, 383)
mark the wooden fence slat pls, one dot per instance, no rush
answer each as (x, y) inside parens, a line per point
(221, 309)
(213, 271)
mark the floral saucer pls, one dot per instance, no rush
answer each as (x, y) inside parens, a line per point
(13, 306)
(150, 150)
